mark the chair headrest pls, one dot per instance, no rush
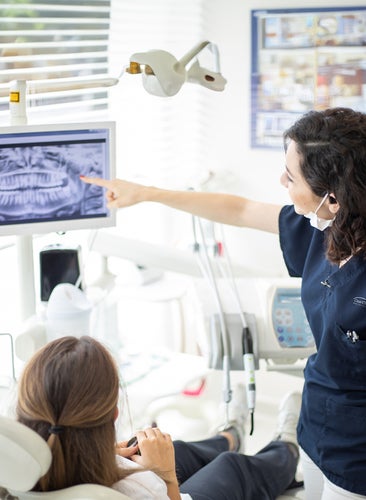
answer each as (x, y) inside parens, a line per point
(24, 456)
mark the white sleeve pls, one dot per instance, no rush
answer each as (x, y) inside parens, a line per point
(144, 485)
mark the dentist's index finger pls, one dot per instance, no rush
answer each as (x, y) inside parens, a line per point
(98, 181)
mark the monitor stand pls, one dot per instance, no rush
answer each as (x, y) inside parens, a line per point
(27, 299)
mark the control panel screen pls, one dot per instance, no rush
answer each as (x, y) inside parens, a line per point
(289, 320)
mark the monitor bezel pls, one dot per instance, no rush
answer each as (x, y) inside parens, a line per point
(65, 225)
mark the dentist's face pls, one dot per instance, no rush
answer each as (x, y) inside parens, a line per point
(302, 197)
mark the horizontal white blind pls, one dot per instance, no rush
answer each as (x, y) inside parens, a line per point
(54, 39)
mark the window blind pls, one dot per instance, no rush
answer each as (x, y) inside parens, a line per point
(54, 39)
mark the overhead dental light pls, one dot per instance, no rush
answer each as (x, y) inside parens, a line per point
(164, 75)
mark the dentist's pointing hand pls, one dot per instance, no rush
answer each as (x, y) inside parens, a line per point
(119, 193)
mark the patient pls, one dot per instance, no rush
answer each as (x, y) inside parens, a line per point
(68, 393)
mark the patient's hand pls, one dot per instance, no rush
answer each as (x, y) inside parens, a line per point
(126, 451)
(157, 453)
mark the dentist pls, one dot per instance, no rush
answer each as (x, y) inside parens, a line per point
(323, 240)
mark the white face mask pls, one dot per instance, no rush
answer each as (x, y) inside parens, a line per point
(316, 221)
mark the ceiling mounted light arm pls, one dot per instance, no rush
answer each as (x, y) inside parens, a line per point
(72, 83)
(164, 75)
(191, 54)
(61, 84)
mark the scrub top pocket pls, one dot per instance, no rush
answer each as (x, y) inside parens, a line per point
(352, 349)
(349, 447)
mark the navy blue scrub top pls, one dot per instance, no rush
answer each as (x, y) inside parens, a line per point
(332, 425)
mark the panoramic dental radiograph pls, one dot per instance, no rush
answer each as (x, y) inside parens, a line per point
(42, 181)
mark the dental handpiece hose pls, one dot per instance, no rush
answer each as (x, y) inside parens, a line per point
(249, 367)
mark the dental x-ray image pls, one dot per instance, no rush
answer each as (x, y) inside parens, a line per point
(40, 175)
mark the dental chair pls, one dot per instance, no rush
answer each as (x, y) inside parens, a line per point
(25, 457)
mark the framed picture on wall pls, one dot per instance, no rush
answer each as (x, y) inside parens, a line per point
(304, 59)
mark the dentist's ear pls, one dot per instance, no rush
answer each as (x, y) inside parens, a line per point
(333, 204)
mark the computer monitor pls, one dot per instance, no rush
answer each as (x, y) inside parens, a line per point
(40, 187)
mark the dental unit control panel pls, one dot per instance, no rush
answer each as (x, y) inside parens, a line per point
(276, 317)
(282, 332)
(285, 335)
(290, 324)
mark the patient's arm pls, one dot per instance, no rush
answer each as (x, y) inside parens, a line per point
(157, 455)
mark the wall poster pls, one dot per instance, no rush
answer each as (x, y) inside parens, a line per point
(304, 59)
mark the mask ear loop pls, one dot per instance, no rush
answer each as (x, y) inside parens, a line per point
(321, 203)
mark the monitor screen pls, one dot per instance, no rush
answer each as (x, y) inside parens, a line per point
(40, 168)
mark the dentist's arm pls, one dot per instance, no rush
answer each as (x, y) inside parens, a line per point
(219, 207)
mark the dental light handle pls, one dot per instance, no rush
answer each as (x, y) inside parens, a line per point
(249, 367)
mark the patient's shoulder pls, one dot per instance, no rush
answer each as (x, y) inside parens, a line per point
(142, 485)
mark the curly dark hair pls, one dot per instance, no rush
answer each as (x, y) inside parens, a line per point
(332, 148)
